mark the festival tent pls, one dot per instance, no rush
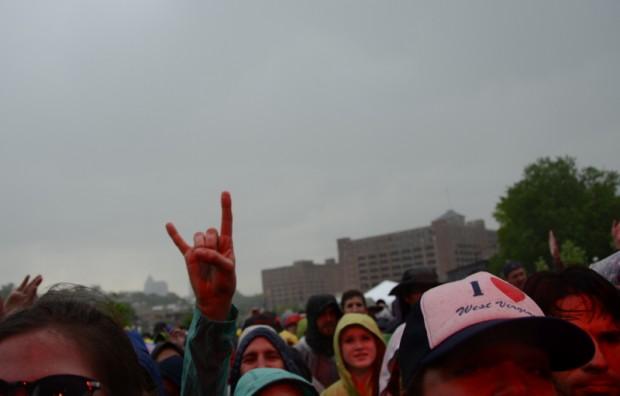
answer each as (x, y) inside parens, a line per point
(381, 292)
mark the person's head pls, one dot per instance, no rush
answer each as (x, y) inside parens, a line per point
(482, 336)
(586, 299)
(266, 318)
(323, 313)
(353, 301)
(413, 284)
(164, 350)
(515, 274)
(161, 332)
(259, 347)
(290, 322)
(64, 336)
(260, 352)
(273, 382)
(327, 320)
(359, 347)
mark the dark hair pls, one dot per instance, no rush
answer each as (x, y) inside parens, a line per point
(547, 288)
(349, 294)
(511, 266)
(78, 314)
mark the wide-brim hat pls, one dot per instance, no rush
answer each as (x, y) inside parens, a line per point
(415, 279)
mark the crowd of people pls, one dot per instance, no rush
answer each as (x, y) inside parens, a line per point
(551, 333)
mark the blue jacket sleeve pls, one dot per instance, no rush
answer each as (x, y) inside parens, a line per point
(208, 349)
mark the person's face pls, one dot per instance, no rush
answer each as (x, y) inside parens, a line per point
(355, 304)
(507, 368)
(260, 353)
(413, 297)
(281, 389)
(178, 337)
(358, 348)
(601, 375)
(41, 353)
(517, 278)
(326, 322)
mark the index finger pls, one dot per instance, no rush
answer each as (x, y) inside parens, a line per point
(177, 238)
(227, 219)
(24, 283)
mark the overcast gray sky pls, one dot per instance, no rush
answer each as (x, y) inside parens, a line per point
(323, 119)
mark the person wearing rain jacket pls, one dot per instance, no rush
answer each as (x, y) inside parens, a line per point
(316, 347)
(359, 348)
(210, 263)
(260, 346)
(273, 382)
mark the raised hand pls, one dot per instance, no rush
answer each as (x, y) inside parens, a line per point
(615, 233)
(211, 264)
(23, 296)
(554, 250)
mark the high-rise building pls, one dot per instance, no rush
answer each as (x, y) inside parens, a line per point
(291, 286)
(447, 244)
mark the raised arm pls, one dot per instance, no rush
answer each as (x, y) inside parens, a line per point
(210, 265)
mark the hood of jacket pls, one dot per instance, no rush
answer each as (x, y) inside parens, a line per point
(255, 380)
(249, 335)
(314, 308)
(369, 324)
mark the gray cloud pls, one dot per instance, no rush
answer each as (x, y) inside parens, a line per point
(323, 119)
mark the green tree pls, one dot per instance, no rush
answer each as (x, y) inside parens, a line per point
(554, 194)
(123, 313)
(541, 265)
(572, 254)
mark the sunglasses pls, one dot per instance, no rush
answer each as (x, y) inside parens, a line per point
(54, 385)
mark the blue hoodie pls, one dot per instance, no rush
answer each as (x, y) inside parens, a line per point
(291, 362)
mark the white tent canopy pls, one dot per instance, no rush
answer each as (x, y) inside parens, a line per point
(381, 292)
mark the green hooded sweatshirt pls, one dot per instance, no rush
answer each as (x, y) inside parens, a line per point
(345, 386)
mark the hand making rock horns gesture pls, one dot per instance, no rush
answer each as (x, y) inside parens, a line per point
(211, 264)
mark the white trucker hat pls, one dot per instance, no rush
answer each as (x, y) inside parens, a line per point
(449, 315)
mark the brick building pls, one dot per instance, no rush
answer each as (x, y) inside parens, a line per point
(291, 286)
(448, 244)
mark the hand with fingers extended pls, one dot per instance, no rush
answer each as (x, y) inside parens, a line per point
(615, 233)
(211, 264)
(23, 296)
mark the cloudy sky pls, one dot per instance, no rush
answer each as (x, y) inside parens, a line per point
(323, 119)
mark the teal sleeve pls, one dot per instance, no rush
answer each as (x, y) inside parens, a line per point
(208, 349)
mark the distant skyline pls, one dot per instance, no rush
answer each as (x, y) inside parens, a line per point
(323, 120)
